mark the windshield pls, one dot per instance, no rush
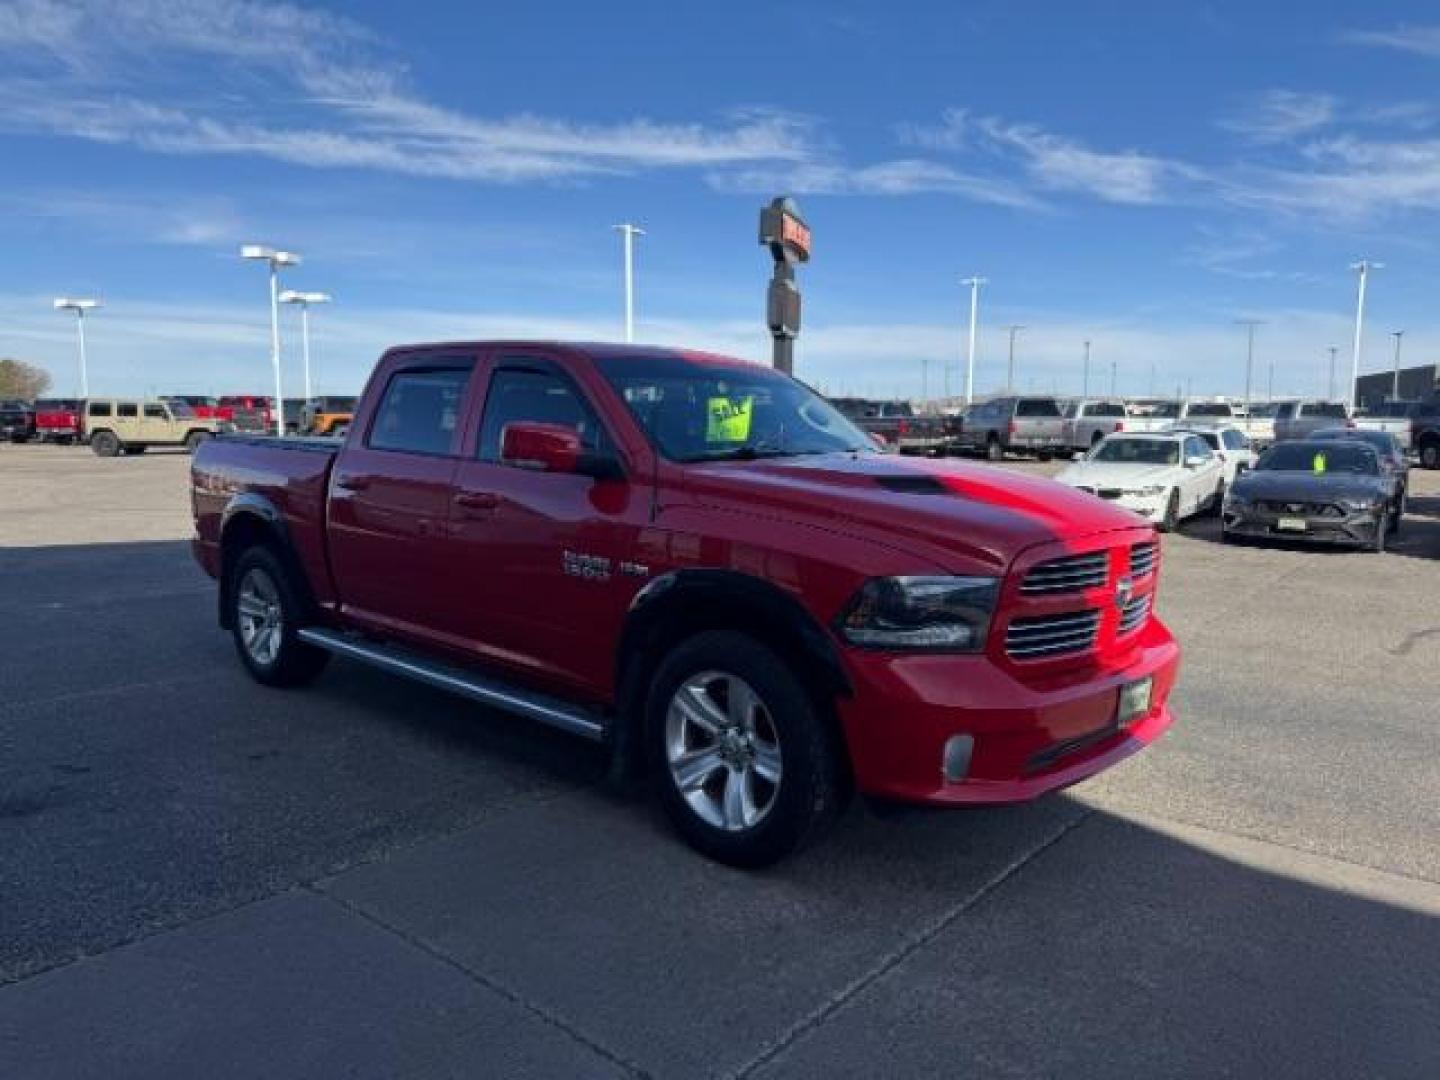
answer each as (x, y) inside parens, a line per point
(1138, 452)
(696, 411)
(1347, 456)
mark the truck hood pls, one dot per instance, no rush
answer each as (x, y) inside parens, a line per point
(964, 517)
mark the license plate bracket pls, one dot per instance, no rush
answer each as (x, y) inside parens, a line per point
(1291, 524)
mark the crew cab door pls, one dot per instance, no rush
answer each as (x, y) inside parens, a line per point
(390, 491)
(541, 566)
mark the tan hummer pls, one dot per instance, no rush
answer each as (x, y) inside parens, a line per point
(131, 426)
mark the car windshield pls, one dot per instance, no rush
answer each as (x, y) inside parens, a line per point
(698, 411)
(1138, 452)
(1343, 456)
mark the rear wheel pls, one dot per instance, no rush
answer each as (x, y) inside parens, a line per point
(745, 763)
(105, 444)
(993, 450)
(265, 619)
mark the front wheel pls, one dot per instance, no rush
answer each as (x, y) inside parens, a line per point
(745, 763)
(1382, 534)
(993, 450)
(105, 444)
(265, 619)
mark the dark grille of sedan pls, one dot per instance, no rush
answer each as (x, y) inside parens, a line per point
(1303, 509)
(1132, 616)
(1070, 574)
(1142, 558)
(1045, 636)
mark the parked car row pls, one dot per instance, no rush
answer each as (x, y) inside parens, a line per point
(1340, 485)
(130, 425)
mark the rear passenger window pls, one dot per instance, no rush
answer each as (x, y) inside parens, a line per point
(156, 412)
(127, 408)
(99, 408)
(420, 411)
(537, 397)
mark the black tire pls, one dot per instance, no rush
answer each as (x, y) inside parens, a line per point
(293, 662)
(105, 444)
(1430, 454)
(811, 789)
(194, 439)
(1171, 521)
(993, 450)
(1382, 533)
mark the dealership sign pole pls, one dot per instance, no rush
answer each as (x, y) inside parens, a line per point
(785, 233)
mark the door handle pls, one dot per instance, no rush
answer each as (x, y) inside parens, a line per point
(477, 500)
(352, 483)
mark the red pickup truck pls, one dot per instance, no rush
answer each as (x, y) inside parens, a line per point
(59, 420)
(701, 563)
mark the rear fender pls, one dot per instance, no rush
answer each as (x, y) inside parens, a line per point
(249, 519)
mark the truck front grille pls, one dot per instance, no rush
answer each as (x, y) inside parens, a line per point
(1038, 636)
(1070, 574)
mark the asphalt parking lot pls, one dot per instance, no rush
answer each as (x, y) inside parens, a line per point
(201, 877)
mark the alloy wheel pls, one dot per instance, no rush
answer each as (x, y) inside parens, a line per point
(262, 623)
(723, 750)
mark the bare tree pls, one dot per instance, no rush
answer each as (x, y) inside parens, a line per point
(21, 380)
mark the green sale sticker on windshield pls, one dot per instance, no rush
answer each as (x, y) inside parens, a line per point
(728, 419)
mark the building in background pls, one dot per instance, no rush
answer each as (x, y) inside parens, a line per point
(1416, 384)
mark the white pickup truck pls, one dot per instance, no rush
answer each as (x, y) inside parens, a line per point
(1394, 417)
(1300, 419)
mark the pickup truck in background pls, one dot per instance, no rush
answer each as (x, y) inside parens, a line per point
(250, 412)
(699, 563)
(1300, 419)
(1033, 425)
(896, 423)
(59, 420)
(1393, 418)
(1088, 420)
(17, 421)
(327, 415)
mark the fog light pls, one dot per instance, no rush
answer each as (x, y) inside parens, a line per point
(958, 749)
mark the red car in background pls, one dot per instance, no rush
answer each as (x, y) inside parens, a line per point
(59, 420)
(204, 408)
(249, 412)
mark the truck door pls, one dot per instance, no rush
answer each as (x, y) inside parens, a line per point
(390, 497)
(542, 566)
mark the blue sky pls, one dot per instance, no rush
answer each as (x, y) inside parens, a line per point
(1137, 174)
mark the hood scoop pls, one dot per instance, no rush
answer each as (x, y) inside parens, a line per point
(912, 485)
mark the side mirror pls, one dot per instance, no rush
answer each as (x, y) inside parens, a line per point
(553, 448)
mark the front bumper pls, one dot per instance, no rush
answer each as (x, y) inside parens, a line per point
(1150, 507)
(1356, 529)
(1030, 738)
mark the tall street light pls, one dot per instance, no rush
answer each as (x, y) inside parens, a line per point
(1010, 370)
(1363, 267)
(1085, 377)
(1250, 325)
(1330, 393)
(304, 300)
(1112, 377)
(1395, 377)
(80, 307)
(275, 259)
(974, 283)
(629, 231)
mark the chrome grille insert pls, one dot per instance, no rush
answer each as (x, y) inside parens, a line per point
(1133, 615)
(1037, 636)
(1069, 574)
(1143, 558)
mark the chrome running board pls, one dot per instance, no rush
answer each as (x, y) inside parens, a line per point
(575, 719)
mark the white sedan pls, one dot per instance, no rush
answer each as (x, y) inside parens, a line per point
(1231, 445)
(1163, 477)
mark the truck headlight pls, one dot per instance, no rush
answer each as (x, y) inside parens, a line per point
(935, 614)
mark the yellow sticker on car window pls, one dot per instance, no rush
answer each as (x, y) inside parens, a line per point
(1318, 465)
(728, 419)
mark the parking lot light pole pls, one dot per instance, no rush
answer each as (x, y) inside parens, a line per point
(275, 259)
(974, 283)
(1363, 267)
(1250, 325)
(629, 231)
(303, 300)
(1085, 377)
(79, 306)
(1010, 369)
(1395, 377)
(1330, 393)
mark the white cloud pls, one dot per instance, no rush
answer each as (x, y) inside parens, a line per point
(908, 176)
(1056, 163)
(1279, 115)
(1421, 40)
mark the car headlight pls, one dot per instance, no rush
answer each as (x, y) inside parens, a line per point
(938, 614)
(1149, 492)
